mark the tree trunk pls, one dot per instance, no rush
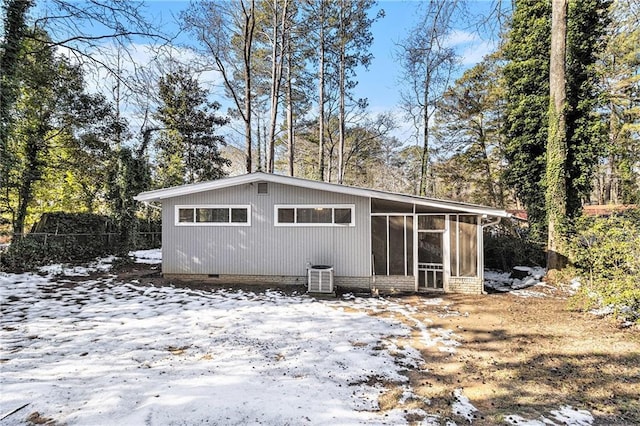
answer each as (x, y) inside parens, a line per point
(321, 95)
(424, 161)
(290, 135)
(249, 27)
(556, 196)
(341, 87)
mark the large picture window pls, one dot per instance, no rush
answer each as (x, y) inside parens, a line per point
(315, 215)
(213, 215)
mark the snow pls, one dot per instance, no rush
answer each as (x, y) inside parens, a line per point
(109, 352)
(502, 282)
(104, 351)
(462, 406)
(152, 257)
(565, 416)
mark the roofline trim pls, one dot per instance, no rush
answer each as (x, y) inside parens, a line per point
(162, 194)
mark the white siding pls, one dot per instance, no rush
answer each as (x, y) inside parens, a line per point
(262, 248)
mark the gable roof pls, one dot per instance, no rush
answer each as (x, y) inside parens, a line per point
(176, 191)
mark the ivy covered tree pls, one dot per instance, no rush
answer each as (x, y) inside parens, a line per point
(188, 148)
(527, 102)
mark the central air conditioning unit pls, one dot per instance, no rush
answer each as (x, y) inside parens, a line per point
(320, 279)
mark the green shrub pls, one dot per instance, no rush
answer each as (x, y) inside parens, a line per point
(606, 252)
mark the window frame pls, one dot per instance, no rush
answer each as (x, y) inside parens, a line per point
(331, 224)
(177, 209)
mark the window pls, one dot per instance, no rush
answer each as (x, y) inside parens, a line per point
(314, 215)
(216, 215)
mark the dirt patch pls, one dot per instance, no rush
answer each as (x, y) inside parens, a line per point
(529, 356)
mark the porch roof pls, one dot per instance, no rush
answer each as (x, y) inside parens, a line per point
(443, 205)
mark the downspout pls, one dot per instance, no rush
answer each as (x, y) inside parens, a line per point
(482, 226)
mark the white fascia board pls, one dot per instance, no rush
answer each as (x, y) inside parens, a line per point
(450, 206)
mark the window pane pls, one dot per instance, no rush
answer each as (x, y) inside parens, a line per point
(220, 215)
(185, 215)
(379, 244)
(239, 216)
(286, 216)
(431, 223)
(212, 215)
(314, 215)
(396, 245)
(342, 216)
(468, 241)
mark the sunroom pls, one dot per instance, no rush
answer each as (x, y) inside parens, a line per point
(420, 247)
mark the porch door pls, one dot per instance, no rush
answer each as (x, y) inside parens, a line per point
(431, 251)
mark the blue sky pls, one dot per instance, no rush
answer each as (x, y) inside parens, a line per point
(380, 83)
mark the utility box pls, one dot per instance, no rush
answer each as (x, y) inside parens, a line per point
(320, 279)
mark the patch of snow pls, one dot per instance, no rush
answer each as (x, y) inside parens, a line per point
(110, 352)
(100, 265)
(567, 416)
(151, 257)
(503, 282)
(462, 406)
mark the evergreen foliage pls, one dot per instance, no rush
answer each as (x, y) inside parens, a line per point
(607, 255)
(527, 103)
(188, 148)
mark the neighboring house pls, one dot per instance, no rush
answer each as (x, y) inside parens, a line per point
(266, 228)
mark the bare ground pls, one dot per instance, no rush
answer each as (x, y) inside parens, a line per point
(525, 356)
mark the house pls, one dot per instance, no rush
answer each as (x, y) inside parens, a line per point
(267, 228)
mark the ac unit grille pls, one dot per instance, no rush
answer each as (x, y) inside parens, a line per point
(320, 279)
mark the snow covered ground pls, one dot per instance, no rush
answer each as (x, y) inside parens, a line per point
(107, 352)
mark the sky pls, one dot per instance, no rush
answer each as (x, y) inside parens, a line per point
(380, 83)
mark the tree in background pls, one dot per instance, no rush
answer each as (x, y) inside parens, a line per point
(226, 33)
(50, 113)
(526, 79)
(188, 149)
(428, 65)
(468, 134)
(618, 179)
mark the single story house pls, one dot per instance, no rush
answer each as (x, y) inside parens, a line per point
(267, 228)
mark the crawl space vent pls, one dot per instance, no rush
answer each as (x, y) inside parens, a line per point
(263, 188)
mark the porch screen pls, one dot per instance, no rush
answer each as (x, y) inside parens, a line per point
(392, 244)
(464, 246)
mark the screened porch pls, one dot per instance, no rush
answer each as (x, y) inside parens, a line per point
(432, 249)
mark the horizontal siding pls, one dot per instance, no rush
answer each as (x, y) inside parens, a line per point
(262, 248)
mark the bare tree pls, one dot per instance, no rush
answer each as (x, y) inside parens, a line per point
(226, 31)
(428, 64)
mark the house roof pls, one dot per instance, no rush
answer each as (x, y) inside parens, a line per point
(176, 191)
